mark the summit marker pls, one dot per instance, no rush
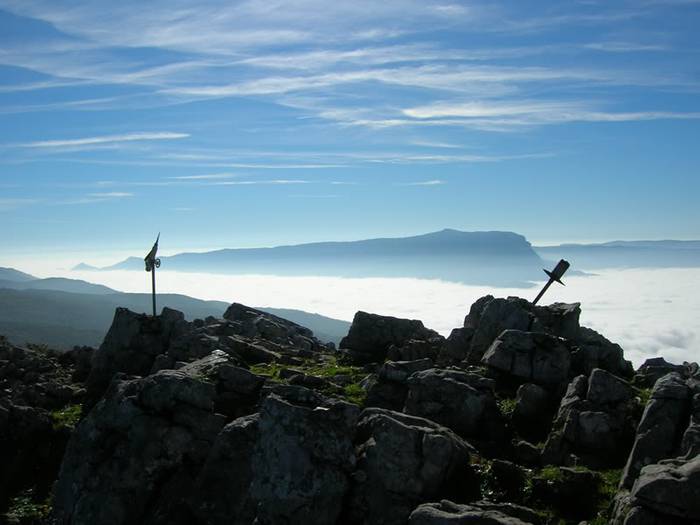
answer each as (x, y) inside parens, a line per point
(152, 262)
(555, 275)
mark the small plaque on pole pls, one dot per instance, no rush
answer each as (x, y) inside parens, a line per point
(152, 262)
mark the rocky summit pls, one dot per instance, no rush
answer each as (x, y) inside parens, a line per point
(520, 416)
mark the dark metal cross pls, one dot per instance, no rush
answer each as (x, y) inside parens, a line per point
(152, 262)
(554, 275)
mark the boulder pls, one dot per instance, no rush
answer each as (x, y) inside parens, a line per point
(131, 346)
(496, 316)
(652, 370)
(461, 401)
(303, 457)
(389, 387)
(416, 349)
(237, 389)
(690, 444)
(606, 389)
(670, 489)
(253, 323)
(573, 493)
(529, 357)
(404, 461)
(135, 457)
(222, 491)
(664, 493)
(661, 427)
(534, 409)
(595, 351)
(448, 513)
(371, 336)
(595, 424)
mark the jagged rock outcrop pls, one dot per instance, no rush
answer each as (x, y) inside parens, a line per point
(532, 357)
(462, 401)
(304, 457)
(534, 410)
(664, 493)
(131, 346)
(489, 317)
(135, 457)
(222, 490)
(662, 426)
(448, 513)
(256, 324)
(595, 424)
(249, 419)
(404, 461)
(389, 388)
(39, 403)
(371, 336)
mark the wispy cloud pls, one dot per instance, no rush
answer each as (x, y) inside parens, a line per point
(111, 195)
(14, 204)
(105, 140)
(624, 47)
(261, 182)
(506, 115)
(434, 182)
(210, 176)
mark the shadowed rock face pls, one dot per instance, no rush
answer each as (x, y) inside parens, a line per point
(529, 356)
(402, 461)
(240, 420)
(662, 426)
(303, 458)
(595, 424)
(371, 336)
(145, 442)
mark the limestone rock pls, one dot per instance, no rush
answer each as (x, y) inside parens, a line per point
(661, 427)
(222, 490)
(371, 336)
(529, 356)
(389, 388)
(253, 323)
(404, 461)
(595, 424)
(416, 349)
(135, 457)
(595, 351)
(534, 410)
(303, 458)
(670, 489)
(461, 401)
(448, 513)
(652, 370)
(131, 346)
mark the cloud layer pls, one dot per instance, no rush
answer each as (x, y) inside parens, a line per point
(648, 312)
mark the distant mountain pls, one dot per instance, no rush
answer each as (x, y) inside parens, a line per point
(58, 284)
(79, 313)
(499, 258)
(626, 254)
(10, 274)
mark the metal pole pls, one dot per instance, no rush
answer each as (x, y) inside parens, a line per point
(153, 282)
(539, 295)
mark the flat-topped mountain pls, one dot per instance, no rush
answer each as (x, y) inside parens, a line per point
(500, 258)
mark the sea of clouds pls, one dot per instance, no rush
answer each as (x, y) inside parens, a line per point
(649, 312)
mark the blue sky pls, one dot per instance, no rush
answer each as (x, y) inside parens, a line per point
(255, 123)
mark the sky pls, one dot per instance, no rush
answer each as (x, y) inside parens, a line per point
(263, 122)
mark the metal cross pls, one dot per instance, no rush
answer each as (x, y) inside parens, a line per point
(554, 275)
(152, 262)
